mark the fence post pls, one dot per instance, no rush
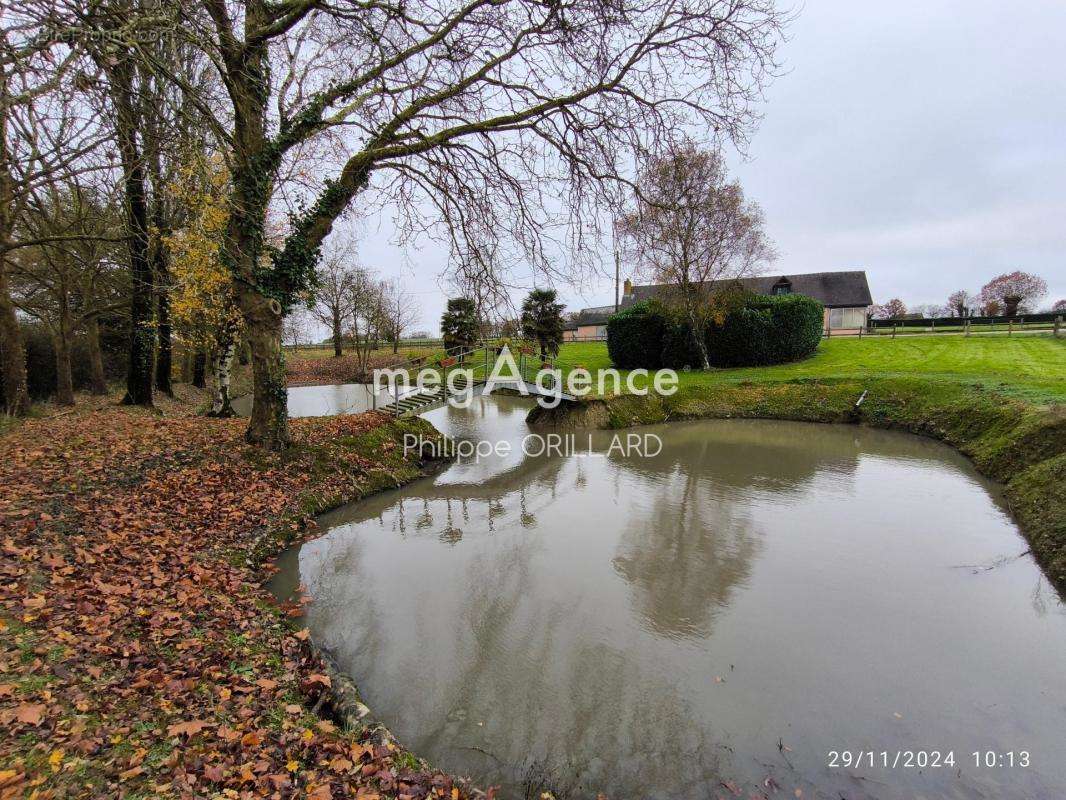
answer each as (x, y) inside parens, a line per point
(1010, 327)
(1058, 325)
(966, 326)
(894, 330)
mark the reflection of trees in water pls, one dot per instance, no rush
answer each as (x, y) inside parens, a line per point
(333, 569)
(684, 556)
(752, 455)
(490, 640)
(690, 543)
(575, 713)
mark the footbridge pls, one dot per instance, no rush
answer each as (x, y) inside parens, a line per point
(481, 369)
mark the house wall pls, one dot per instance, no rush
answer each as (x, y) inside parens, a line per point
(591, 332)
(843, 321)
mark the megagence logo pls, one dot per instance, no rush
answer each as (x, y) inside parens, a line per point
(461, 383)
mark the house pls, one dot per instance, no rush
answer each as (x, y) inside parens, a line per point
(589, 323)
(845, 295)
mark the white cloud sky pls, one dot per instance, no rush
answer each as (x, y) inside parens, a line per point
(921, 141)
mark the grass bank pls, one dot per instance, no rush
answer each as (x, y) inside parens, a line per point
(1032, 367)
(141, 655)
(1000, 402)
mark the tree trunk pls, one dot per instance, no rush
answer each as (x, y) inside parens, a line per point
(222, 372)
(396, 345)
(12, 348)
(97, 379)
(164, 363)
(199, 370)
(338, 351)
(269, 423)
(1012, 304)
(142, 340)
(64, 381)
(698, 342)
(13, 351)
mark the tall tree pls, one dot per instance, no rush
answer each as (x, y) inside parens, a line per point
(366, 316)
(690, 227)
(205, 313)
(542, 321)
(893, 309)
(45, 137)
(334, 290)
(399, 311)
(959, 303)
(1012, 290)
(459, 325)
(72, 277)
(485, 111)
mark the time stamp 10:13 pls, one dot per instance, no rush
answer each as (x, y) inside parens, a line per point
(925, 759)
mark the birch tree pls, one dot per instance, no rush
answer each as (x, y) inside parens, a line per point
(690, 227)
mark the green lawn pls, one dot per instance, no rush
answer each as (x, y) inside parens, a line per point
(1033, 366)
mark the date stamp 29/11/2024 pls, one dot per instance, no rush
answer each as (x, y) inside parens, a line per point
(927, 759)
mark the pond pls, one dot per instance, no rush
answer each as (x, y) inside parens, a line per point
(321, 401)
(726, 614)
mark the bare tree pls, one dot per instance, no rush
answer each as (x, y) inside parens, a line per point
(296, 328)
(959, 302)
(44, 138)
(334, 290)
(690, 227)
(1013, 290)
(399, 312)
(511, 122)
(73, 276)
(366, 316)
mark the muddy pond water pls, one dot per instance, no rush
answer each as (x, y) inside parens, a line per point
(727, 614)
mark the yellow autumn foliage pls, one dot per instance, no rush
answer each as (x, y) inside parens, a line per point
(201, 296)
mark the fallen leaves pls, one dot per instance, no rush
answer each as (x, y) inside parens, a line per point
(30, 713)
(140, 655)
(189, 729)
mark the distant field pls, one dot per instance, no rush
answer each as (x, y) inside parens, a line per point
(378, 354)
(1033, 366)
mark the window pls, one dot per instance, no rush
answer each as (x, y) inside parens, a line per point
(847, 317)
(783, 288)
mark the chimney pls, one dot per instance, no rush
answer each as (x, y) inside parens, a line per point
(627, 288)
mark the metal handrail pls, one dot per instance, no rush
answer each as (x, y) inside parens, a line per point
(528, 368)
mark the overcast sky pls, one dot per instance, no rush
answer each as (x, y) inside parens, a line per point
(922, 141)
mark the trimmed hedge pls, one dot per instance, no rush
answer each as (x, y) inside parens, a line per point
(766, 330)
(761, 331)
(678, 349)
(635, 336)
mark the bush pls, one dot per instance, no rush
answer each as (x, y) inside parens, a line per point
(755, 331)
(766, 330)
(635, 336)
(41, 358)
(678, 349)
(798, 324)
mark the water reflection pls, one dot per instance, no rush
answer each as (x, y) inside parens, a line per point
(646, 627)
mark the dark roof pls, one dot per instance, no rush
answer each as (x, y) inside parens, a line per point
(591, 316)
(832, 289)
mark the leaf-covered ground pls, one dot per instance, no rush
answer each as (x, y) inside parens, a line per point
(140, 655)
